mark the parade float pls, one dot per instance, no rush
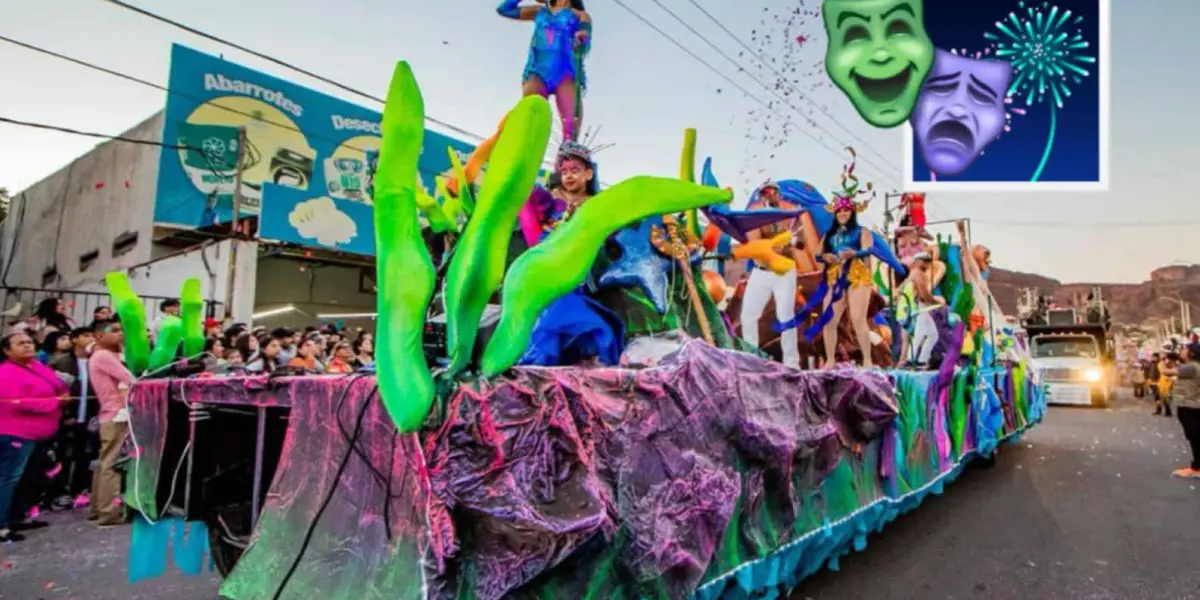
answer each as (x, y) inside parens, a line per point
(612, 434)
(569, 399)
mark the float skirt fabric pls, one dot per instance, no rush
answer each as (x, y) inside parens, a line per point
(715, 474)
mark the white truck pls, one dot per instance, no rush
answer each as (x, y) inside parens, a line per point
(1075, 361)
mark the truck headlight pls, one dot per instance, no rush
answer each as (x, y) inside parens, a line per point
(1092, 375)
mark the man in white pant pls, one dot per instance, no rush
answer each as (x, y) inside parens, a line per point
(925, 333)
(763, 284)
(761, 287)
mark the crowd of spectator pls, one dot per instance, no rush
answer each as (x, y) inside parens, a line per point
(238, 349)
(64, 408)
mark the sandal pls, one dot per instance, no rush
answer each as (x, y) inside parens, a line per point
(1186, 473)
(10, 537)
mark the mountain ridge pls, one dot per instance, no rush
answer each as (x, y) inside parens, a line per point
(1146, 304)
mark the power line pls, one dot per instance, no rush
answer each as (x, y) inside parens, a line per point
(202, 153)
(1078, 225)
(776, 72)
(766, 63)
(151, 84)
(360, 93)
(102, 136)
(279, 62)
(717, 72)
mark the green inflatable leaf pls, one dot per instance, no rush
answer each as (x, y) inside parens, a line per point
(132, 314)
(404, 270)
(477, 268)
(166, 343)
(191, 311)
(560, 263)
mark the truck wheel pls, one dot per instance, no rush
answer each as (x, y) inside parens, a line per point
(1099, 397)
(228, 534)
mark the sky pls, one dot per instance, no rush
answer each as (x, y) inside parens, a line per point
(643, 92)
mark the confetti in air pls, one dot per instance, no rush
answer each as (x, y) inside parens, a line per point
(1049, 55)
(783, 53)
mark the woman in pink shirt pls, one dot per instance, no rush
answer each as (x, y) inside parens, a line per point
(31, 396)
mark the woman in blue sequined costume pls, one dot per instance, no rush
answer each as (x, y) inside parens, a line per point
(561, 39)
(847, 284)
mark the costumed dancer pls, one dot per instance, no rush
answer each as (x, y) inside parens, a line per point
(925, 332)
(562, 37)
(562, 33)
(912, 240)
(764, 284)
(847, 283)
(574, 328)
(976, 263)
(913, 205)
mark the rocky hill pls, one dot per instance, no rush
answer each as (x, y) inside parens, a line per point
(1147, 303)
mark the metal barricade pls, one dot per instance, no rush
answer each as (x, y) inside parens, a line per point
(79, 306)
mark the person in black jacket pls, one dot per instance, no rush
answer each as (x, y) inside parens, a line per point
(78, 440)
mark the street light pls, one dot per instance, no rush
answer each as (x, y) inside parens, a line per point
(1185, 311)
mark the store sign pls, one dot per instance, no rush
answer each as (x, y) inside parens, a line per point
(299, 217)
(314, 145)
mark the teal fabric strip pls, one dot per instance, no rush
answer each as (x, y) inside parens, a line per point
(148, 548)
(191, 546)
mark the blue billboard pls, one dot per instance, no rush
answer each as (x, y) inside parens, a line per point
(311, 153)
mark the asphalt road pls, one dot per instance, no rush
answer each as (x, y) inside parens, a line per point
(1082, 508)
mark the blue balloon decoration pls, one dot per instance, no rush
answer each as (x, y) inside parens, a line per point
(640, 265)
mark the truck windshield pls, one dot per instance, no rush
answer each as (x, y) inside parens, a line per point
(1065, 347)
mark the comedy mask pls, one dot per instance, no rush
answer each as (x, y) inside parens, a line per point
(960, 110)
(878, 55)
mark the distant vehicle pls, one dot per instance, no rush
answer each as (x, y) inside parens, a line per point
(1061, 316)
(1076, 362)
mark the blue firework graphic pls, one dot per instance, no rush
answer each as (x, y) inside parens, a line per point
(1049, 55)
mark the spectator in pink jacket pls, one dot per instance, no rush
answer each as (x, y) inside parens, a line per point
(30, 409)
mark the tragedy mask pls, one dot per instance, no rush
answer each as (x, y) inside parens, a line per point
(960, 110)
(878, 55)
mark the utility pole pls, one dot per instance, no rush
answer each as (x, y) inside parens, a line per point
(236, 224)
(887, 233)
(887, 212)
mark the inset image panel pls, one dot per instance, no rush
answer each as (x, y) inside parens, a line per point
(1017, 98)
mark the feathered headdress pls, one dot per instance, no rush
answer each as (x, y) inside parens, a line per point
(848, 197)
